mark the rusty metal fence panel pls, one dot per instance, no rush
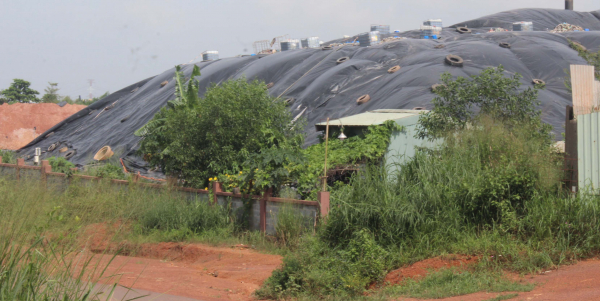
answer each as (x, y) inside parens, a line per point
(584, 86)
(588, 150)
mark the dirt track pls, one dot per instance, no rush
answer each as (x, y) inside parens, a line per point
(195, 271)
(20, 123)
(580, 281)
(233, 274)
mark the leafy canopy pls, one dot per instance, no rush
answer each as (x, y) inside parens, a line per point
(19, 91)
(195, 138)
(462, 102)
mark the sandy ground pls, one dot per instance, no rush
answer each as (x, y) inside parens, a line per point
(20, 123)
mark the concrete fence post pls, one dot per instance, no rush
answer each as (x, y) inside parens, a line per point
(323, 198)
(263, 209)
(20, 162)
(217, 187)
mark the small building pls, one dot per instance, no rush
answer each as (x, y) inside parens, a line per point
(402, 143)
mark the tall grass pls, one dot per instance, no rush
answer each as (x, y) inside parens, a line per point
(490, 190)
(36, 266)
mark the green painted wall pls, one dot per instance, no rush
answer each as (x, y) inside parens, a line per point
(402, 144)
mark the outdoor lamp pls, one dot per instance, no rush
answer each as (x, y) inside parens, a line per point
(342, 136)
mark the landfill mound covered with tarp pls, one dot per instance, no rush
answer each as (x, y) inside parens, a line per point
(316, 86)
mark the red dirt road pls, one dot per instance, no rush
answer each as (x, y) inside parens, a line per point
(580, 281)
(22, 122)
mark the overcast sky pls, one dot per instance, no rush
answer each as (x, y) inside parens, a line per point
(119, 42)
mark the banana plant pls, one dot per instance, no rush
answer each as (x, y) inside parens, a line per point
(185, 97)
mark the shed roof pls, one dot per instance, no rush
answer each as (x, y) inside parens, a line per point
(375, 117)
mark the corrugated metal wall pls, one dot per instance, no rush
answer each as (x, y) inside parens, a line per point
(588, 151)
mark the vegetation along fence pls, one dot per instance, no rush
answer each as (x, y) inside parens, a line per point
(259, 211)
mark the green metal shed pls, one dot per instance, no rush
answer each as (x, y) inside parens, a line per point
(402, 143)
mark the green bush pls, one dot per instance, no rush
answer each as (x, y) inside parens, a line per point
(108, 171)
(8, 156)
(461, 102)
(60, 164)
(196, 138)
(317, 270)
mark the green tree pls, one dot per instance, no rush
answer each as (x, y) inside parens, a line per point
(462, 102)
(19, 91)
(51, 95)
(196, 138)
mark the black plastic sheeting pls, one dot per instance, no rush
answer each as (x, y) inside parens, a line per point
(317, 87)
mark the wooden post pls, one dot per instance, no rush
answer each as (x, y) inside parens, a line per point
(263, 210)
(325, 167)
(323, 198)
(136, 177)
(20, 162)
(0, 159)
(217, 187)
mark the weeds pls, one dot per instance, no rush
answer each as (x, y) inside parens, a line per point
(450, 282)
(491, 191)
(35, 267)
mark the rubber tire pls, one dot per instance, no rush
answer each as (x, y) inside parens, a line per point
(70, 154)
(270, 85)
(441, 46)
(91, 112)
(342, 60)
(64, 149)
(125, 119)
(53, 146)
(537, 81)
(454, 60)
(49, 134)
(363, 99)
(418, 108)
(326, 48)
(463, 30)
(290, 100)
(435, 86)
(504, 45)
(394, 69)
(164, 83)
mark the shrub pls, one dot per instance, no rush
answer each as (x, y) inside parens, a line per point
(318, 270)
(197, 138)
(8, 156)
(60, 164)
(461, 102)
(108, 171)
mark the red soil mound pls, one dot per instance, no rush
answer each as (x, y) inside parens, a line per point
(421, 268)
(22, 122)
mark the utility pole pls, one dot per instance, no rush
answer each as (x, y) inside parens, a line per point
(91, 81)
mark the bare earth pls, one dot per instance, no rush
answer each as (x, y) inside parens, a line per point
(580, 281)
(20, 123)
(209, 273)
(195, 271)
